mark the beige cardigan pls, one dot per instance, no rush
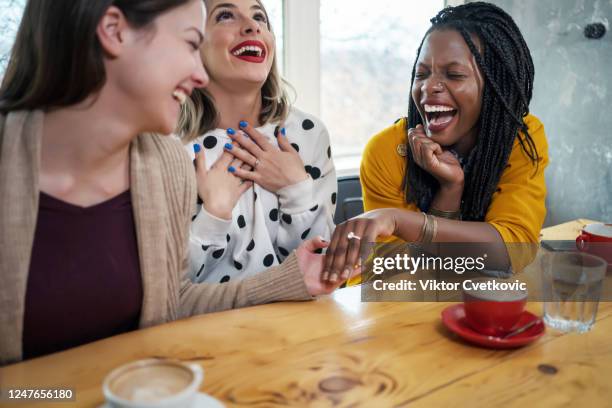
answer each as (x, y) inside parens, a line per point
(163, 195)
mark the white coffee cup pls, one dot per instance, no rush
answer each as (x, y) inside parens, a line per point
(153, 383)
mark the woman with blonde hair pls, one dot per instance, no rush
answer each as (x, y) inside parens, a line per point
(94, 210)
(244, 126)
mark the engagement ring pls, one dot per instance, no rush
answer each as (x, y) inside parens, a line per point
(351, 235)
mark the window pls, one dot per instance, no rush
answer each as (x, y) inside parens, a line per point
(367, 52)
(274, 8)
(10, 16)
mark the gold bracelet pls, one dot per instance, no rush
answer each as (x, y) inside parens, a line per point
(431, 229)
(422, 234)
(450, 215)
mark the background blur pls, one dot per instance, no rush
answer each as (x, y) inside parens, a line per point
(350, 60)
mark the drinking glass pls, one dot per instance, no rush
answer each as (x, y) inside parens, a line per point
(571, 283)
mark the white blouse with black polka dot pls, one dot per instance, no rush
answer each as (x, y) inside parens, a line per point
(266, 227)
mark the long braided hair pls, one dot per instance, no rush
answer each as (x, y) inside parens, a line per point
(508, 72)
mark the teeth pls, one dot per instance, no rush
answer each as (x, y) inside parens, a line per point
(180, 96)
(438, 108)
(252, 48)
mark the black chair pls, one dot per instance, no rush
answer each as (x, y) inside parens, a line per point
(349, 202)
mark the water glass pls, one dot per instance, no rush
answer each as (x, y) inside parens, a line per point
(572, 284)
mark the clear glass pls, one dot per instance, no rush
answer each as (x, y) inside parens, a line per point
(10, 16)
(571, 283)
(367, 52)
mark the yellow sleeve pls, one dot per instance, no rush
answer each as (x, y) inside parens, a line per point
(518, 207)
(382, 170)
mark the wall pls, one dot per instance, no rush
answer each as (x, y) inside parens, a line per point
(573, 98)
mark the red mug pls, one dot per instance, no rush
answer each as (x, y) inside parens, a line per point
(596, 239)
(491, 313)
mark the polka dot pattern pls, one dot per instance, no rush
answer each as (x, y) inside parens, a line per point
(286, 218)
(237, 265)
(210, 142)
(305, 233)
(224, 279)
(283, 251)
(296, 147)
(200, 271)
(274, 214)
(333, 198)
(241, 221)
(251, 245)
(314, 172)
(268, 260)
(307, 124)
(218, 253)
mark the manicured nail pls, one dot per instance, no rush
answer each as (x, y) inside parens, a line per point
(243, 123)
(345, 273)
(196, 148)
(228, 146)
(231, 169)
(333, 277)
(231, 131)
(283, 132)
(325, 276)
(322, 239)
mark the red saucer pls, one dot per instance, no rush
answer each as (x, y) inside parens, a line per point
(453, 318)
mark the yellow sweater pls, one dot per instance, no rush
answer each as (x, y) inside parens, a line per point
(517, 209)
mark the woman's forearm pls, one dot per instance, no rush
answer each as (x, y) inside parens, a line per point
(409, 224)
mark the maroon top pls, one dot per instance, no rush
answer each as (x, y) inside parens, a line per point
(84, 282)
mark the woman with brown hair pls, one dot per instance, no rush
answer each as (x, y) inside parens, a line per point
(94, 210)
(244, 119)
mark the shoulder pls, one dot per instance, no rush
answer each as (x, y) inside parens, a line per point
(537, 135)
(176, 167)
(388, 144)
(304, 123)
(171, 152)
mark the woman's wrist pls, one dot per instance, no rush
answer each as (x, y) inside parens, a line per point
(448, 198)
(218, 211)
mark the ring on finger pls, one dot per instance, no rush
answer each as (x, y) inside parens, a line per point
(351, 235)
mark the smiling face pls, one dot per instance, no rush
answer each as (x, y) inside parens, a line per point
(238, 46)
(160, 67)
(447, 89)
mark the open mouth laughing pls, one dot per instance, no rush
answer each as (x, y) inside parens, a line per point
(439, 117)
(250, 51)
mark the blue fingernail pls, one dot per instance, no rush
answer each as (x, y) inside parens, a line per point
(283, 131)
(231, 131)
(243, 123)
(196, 148)
(231, 169)
(228, 146)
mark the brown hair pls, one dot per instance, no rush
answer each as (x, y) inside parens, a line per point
(57, 59)
(200, 115)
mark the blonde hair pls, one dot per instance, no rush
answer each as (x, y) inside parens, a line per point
(199, 114)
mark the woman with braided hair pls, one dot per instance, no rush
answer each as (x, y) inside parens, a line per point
(467, 163)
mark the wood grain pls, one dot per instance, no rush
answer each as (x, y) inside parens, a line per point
(340, 352)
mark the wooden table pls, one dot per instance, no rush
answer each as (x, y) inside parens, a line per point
(338, 351)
